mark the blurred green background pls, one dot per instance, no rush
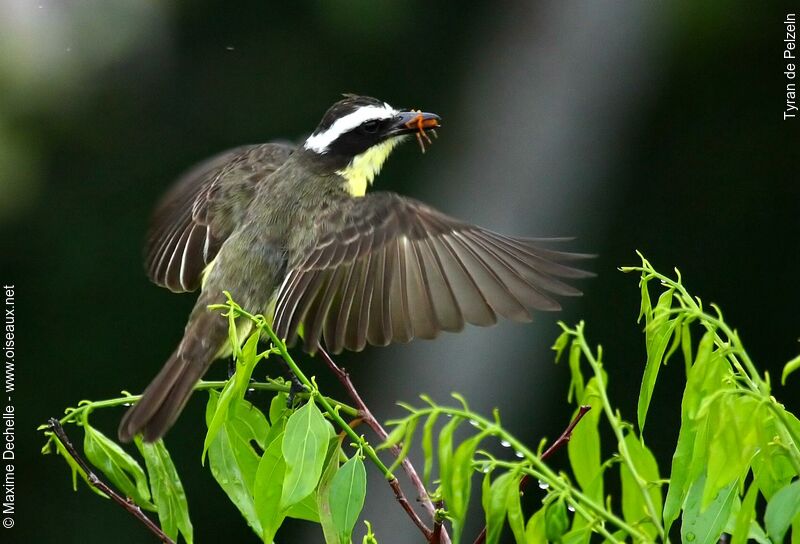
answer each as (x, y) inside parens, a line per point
(627, 125)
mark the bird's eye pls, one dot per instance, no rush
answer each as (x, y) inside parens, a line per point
(370, 127)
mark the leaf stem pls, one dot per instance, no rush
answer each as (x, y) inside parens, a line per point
(616, 425)
(365, 413)
(93, 480)
(74, 414)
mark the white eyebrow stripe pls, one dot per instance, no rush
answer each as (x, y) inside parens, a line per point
(320, 142)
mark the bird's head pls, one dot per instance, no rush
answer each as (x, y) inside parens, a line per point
(357, 134)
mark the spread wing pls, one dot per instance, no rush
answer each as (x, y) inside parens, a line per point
(385, 268)
(202, 209)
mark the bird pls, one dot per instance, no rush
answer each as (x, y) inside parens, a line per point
(290, 231)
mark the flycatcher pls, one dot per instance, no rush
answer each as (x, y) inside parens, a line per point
(291, 233)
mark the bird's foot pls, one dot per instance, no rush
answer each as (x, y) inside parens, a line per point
(295, 388)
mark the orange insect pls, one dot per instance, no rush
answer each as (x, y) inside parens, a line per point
(420, 123)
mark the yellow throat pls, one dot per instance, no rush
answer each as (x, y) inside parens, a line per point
(361, 171)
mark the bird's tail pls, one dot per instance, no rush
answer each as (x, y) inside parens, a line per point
(165, 397)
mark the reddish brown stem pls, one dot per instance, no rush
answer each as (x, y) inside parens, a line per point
(408, 468)
(131, 507)
(554, 447)
(436, 537)
(401, 498)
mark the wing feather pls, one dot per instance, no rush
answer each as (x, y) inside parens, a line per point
(388, 269)
(202, 209)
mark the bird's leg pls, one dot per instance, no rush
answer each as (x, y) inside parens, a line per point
(295, 387)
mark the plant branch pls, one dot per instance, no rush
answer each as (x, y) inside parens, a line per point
(436, 537)
(401, 498)
(567, 434)
(554, 447)
(616, 425)
(377, 428)
(537, 469)
(280, 346)
(73, 413)
(131, 507)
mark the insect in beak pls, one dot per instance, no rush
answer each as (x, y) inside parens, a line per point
(419, 123)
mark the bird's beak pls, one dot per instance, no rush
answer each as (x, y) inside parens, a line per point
(409, 122)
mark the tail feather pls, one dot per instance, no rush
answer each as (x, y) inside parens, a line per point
(165, 397)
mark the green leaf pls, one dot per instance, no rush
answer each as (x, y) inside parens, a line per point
(306, 509)
(581, 535)
(516, 520)
(705, 526)
(560, 343)
(658, 332)
(772, 467)
(323, 491)
(304, 445)
(168, 494)
(646, 309)
(576, 377)
(347, 492)
(278, 407)
(535, 530)
(495, 503)
(408, 439)
(781, 510)
(772, 470)
(234, 463)
(733, 443)
(556, 521)
(745, 517)
(705, 377)
(634, 508)
(705, 348)
(679, 481)
(267, 488)
(686, 344)
(788, 368)
(583, 447)
(250, 422)
(456, 494)
(234, 390)
(76, 468)
(445, 455)
(427, 447)
(122, 469)
(676, 340)
(396, 436)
